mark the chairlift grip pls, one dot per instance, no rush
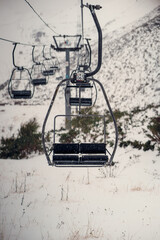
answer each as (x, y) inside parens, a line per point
(44, 53)
(90, 52)
(10, 81)
(50, 52)
(91, 8)
(13, 57)
(33, 59)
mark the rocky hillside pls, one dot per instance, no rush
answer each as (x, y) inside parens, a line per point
(131, 64)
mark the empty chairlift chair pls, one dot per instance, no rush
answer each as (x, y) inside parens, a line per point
(20, 86)
(87, 154)
(20, 83)
(49, 63)
(78, 154)
(37, 74)
(50, 69)
(81, 92)
(37, 71)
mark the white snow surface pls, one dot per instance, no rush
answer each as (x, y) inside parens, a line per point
(42, 202)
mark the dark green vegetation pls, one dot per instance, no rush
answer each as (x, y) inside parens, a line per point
(27, 141)
(91, 129)
(154, 128)
(88, 129)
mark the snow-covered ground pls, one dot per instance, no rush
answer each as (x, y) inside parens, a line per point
(42, 202)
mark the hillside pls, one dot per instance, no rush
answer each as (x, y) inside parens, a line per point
(130, 59)
(129, 73)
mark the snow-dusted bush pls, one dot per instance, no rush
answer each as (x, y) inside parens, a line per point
(27, 141)
(154, 127)
(86, 127)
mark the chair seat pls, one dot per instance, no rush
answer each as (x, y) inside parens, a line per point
(18, 94)
(48, 72)
(39, 81)
(94, 159)
(81, 154)
(71, 160)
(80, 101)
(65, 159)
(85, 158)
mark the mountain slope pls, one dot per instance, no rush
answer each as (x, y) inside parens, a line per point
(130, 74)
(114, 203)
(132, 65)
(130, 59)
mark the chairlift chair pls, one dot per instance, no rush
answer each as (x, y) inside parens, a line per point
(87, 55)
(20, 83)
(66, 42)
(37, 70)
(38, 77)
(49, 64)
(56, 64)
(80, 89)
(81, 154)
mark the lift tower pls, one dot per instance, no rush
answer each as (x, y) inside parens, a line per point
(63, 44)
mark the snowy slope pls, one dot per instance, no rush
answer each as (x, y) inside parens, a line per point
(132, 60)
(129, 57)
(41, 202)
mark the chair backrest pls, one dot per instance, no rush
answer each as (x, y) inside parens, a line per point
(81, 101)
(76, 148)
(66, 148)
(93, 148)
